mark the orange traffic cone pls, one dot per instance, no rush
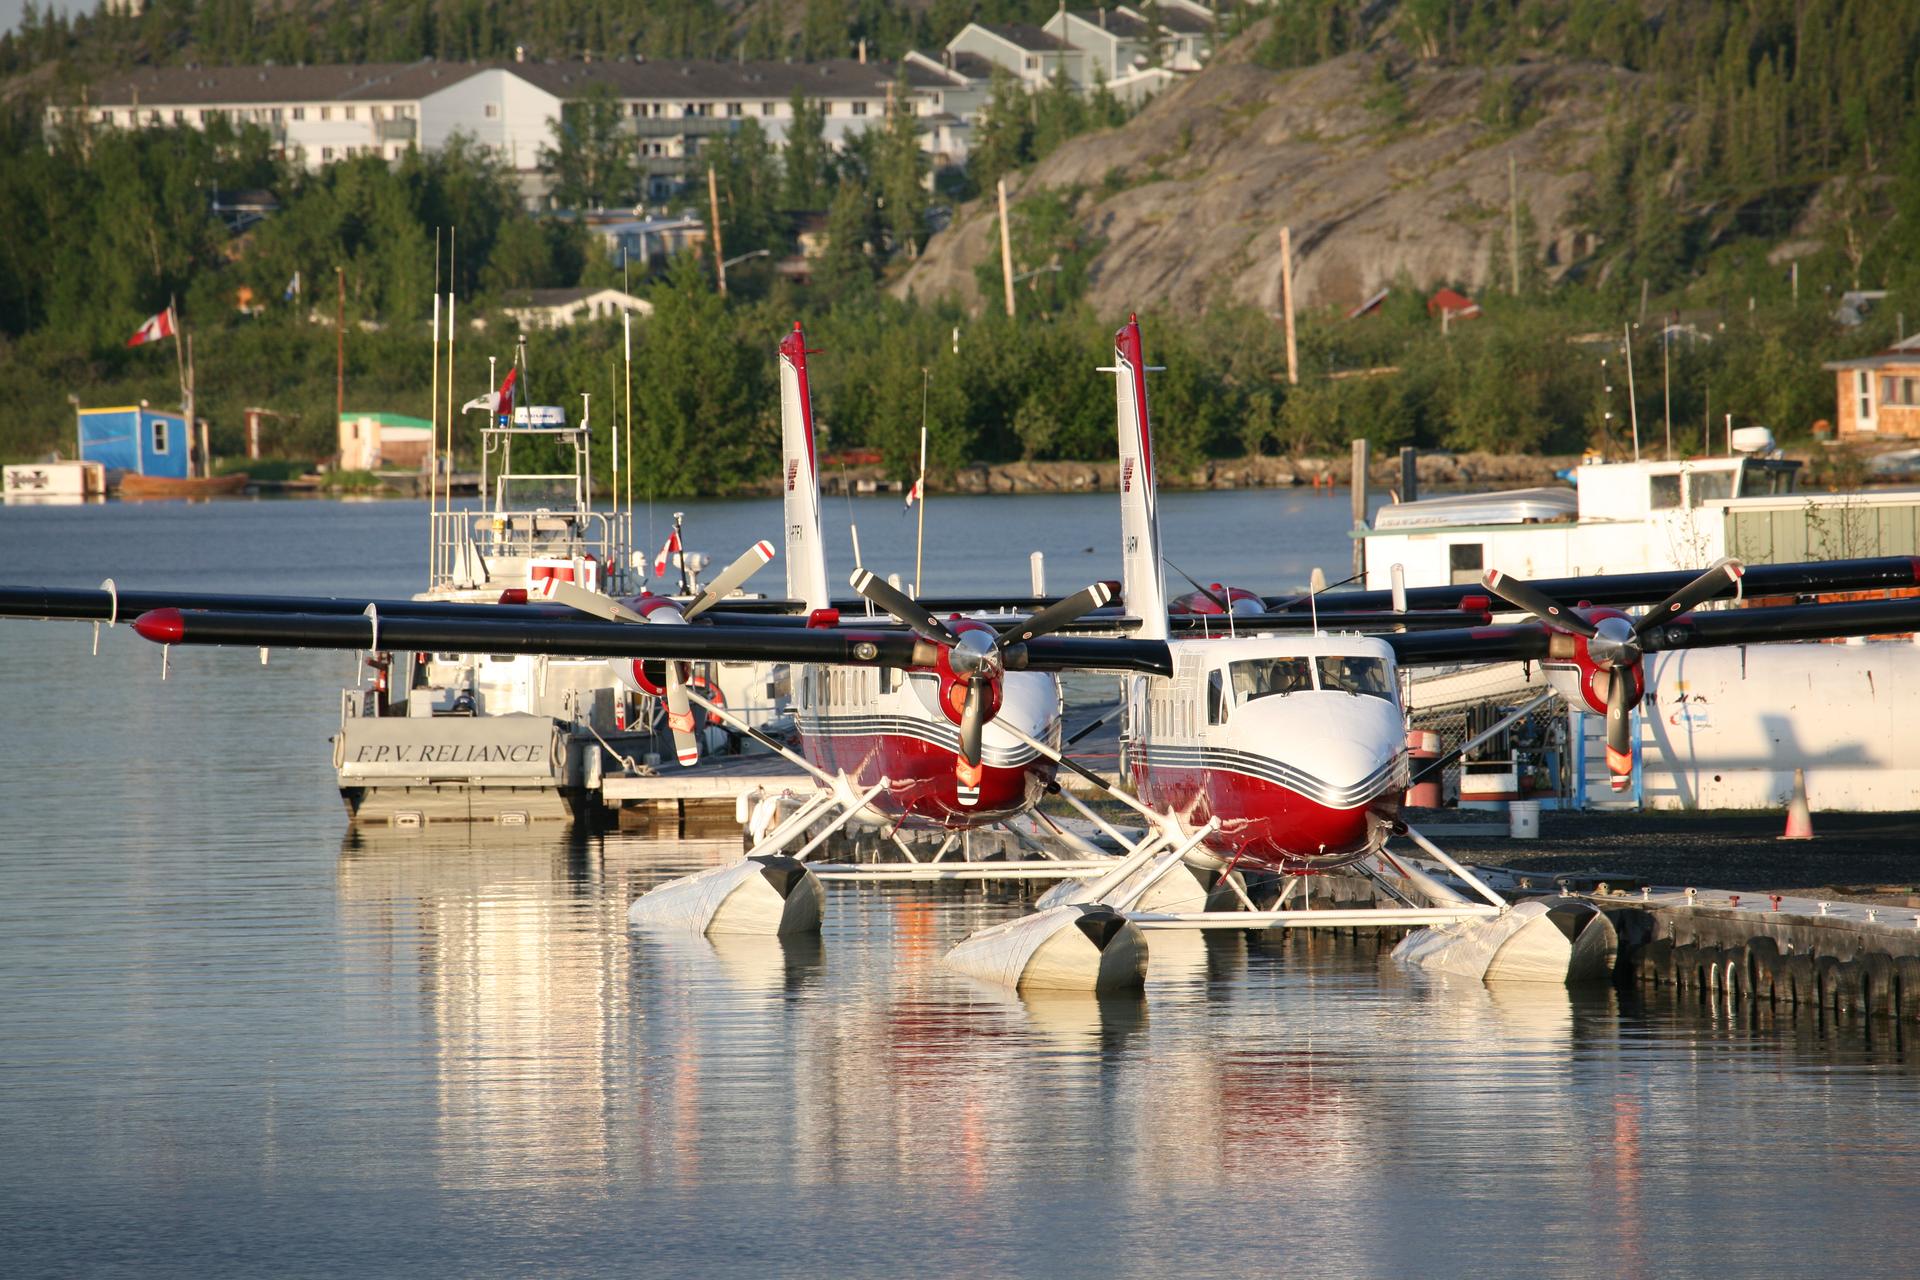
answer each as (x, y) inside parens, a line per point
(1799, 816)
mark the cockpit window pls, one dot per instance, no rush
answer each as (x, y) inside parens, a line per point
(1367, 676)
(1265, 677)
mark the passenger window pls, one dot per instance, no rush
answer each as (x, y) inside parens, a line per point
(1216, 698)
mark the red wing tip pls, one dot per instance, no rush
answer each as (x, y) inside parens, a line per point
(765, 550)
(689, 758)
(162, 626)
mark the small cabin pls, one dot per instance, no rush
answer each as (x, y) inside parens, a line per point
(137, 439)
(1878, 397)
(372, 441)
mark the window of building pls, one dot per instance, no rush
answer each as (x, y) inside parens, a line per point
(179, 117)
(1904, 392)
(859, 108)
(734, 109)
(1465, 560)
(347, 113)
(493, 111)
(299, 113)
(160, 435)
(403, 112)
(379, 112)
(326, 113)
(1863, 390)
(1033, 64)
(106, 117)
(769, 108)
(326, 154)
(153, 117)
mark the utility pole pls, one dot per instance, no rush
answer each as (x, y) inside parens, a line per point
(1006, 249)
(1513, 224)
(1286, 303)
(719, 253)
(340, 343)
(1360, 461)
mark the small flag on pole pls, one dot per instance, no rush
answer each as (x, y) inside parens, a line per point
(153, 329)
(913, 492)
(666, 553)
(504, 409)
(293, 288)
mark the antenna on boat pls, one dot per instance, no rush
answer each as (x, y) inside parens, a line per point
(920, 488)
(626, 321)
(433, 433)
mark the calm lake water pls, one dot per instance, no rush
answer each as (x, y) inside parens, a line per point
(237, 1039)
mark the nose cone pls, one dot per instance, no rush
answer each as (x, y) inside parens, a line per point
(1337, 749)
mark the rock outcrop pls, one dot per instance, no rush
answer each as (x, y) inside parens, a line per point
(1378, 184)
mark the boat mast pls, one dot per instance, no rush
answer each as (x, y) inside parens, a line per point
(433, 431)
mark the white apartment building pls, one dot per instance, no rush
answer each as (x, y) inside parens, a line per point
(318, 115)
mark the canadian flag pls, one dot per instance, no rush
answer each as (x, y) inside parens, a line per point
(913, 494)
(154, 329)
(671, 549)
(504, 409)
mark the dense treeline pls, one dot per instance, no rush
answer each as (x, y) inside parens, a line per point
(105, 226)
(239, 31)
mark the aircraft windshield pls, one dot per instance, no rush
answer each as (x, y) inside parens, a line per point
(1356, 675)
(1265, 677)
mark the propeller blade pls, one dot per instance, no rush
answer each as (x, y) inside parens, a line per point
(1521, 595)
(902, 606)
(1619, 727)
(973, 723)
(728, 580)
(589, 602)
(680, 717)
(1723, 574)
(1059, 614)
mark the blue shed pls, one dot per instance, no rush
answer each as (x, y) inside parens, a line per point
(138, 439)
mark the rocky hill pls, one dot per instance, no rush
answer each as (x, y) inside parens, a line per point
(1383, 167)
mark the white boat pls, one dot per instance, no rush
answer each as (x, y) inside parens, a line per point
(517, 738)
(54, 482)
(1635, 517)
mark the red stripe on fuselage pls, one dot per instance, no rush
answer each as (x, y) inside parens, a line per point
(921, 788)
(1262, 823)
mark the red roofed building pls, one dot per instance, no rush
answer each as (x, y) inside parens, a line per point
(1454, 305)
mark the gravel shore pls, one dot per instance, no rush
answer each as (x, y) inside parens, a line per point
(1863, 856)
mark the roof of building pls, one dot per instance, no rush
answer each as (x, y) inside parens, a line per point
(1181, 22)
(1026, 36)
(408, 81)
(1115, 22)
(196, 86)
(523, 298)
(973, 66)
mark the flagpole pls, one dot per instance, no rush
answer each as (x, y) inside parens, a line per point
(452, 277)
(180, 364)
(920, 490)
(433, 433)
(626, 320)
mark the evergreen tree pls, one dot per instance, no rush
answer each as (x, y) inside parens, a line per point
(807, 160)
(592, 160)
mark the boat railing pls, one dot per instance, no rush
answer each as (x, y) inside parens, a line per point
(470, 547)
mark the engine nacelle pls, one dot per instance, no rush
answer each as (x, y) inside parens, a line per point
(647, 675)
(1576, 677)
(953, 689)
(1243, 603)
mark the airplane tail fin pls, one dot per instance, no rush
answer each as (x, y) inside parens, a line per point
(806, 552)
(1142, 586)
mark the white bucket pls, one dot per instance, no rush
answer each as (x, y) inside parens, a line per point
(1523, 819)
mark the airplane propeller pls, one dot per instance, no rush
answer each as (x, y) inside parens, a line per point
(1616, 644)
(686, 747)
(976, 656)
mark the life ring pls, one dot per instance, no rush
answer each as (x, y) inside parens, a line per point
(704, 685)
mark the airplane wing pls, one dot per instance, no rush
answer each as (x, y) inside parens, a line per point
(1529, 641)
(590, 638)
(1877, 573)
